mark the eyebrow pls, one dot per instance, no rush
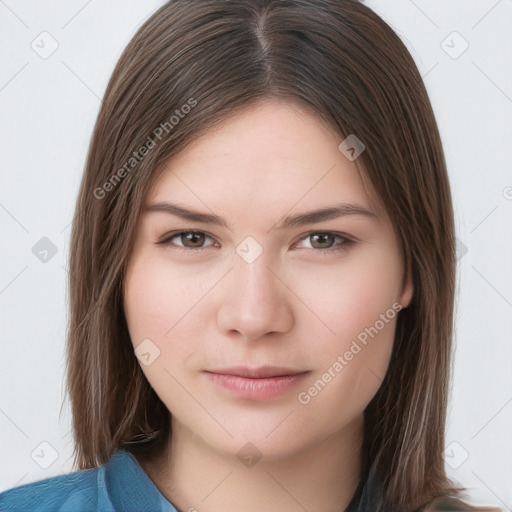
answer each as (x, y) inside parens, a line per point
(311, 217)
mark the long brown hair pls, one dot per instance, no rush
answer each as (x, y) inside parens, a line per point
(191, 66)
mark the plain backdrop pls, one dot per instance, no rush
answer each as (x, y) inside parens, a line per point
(56, 58)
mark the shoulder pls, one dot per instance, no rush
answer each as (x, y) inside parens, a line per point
(119, 485)
(77, 491)
(446, 503)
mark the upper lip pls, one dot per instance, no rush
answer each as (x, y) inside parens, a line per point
(258, 373)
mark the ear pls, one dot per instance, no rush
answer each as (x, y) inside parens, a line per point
(407, 288)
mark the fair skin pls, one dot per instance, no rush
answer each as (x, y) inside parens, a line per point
(299, 304)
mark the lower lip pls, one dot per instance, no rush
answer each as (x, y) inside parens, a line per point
(256, 389)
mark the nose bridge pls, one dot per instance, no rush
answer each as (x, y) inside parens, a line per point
(255, 301)
(256, 281)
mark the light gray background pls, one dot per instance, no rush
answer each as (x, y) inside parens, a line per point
(48, 107)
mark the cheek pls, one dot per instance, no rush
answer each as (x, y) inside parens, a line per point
(352, 296)
(154, 303)
(159, 297)
(350, 364)
(355, 313)
(163, 305)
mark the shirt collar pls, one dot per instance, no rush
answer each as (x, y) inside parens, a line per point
(128, 487)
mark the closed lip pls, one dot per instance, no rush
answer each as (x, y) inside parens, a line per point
(262, 372)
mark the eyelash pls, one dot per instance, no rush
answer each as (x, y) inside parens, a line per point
(346, 242)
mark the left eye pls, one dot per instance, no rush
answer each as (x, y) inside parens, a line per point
(197, 239)
(326, 240)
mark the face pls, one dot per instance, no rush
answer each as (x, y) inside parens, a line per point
(253, 318)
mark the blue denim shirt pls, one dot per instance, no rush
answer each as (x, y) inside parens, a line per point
(119, 485)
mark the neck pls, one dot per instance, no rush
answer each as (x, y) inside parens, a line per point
(323, 477)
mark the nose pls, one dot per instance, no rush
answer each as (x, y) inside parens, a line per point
(254, 301)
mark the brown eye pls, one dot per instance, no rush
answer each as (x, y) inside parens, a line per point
(192, 239)
(322, 240)
(326, 240)
(187, 240)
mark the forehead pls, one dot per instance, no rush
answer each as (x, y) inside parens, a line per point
(273, 155)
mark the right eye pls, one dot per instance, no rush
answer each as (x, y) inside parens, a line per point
(186, 240)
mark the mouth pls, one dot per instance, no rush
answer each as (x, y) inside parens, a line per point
(256, 383)
(263, 372)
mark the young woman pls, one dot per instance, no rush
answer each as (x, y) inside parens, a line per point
(262, 272)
